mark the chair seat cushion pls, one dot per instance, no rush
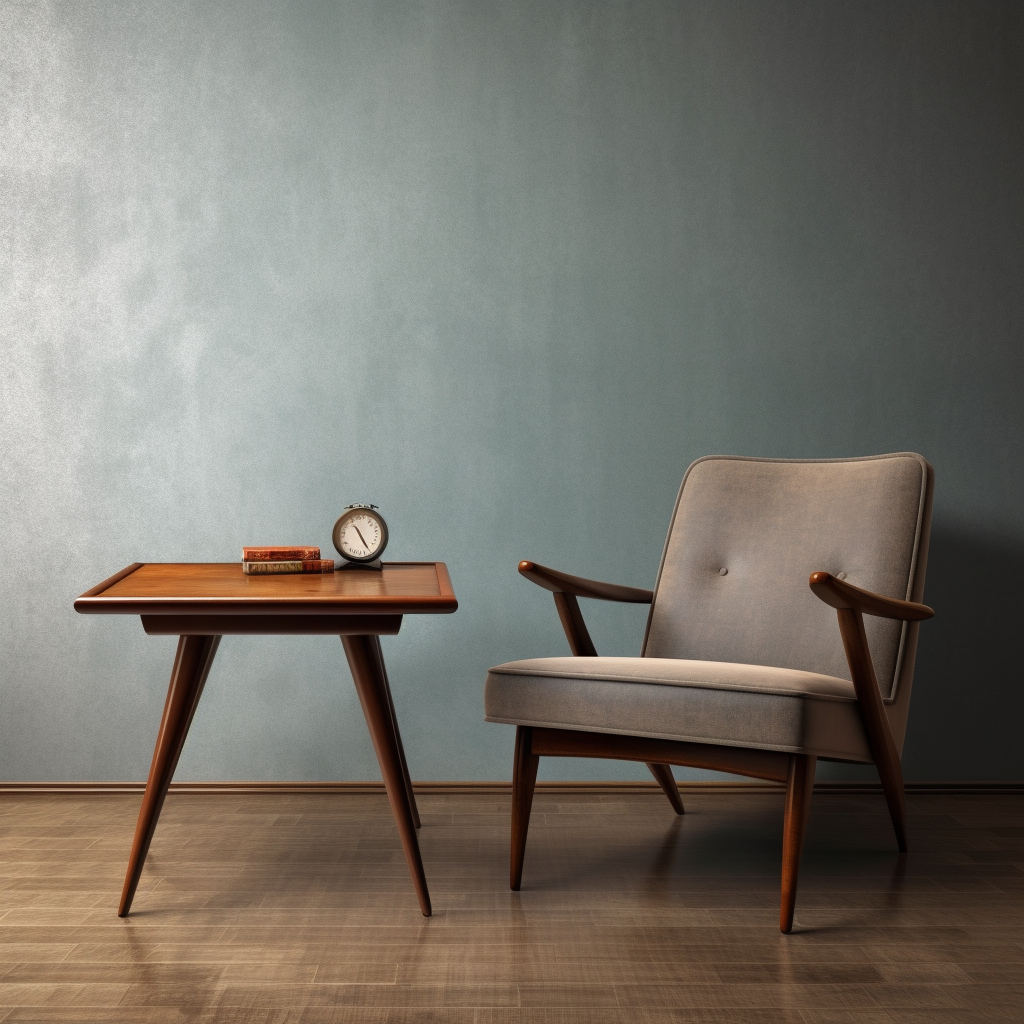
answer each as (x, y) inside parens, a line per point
(714, 702)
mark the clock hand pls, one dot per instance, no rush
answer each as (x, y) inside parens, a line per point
(361, 537)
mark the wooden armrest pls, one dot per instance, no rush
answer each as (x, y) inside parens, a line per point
(840, 594)
(563, 583)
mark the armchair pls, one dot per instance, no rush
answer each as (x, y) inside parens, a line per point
(742, 668)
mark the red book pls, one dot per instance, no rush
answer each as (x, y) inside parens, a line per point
(320, 565)
(280, 554)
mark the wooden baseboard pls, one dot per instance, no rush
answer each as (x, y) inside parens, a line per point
(496, 788)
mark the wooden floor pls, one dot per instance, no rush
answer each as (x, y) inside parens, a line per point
(274, 909)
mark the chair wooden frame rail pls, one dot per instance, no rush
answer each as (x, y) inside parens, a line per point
(851, 604)
(796, 771)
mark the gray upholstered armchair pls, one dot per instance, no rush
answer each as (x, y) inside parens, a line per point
(743, 668)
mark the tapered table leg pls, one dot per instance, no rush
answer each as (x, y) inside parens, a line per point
(398, 735)
(363, 653)
(191, 667)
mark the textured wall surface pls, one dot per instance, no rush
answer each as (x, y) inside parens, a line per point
(503, 267)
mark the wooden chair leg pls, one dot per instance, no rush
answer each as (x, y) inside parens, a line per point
(876, 723)
(524, 779)
(890, 772)
(667, 781)
(188, 677)
(799, 787)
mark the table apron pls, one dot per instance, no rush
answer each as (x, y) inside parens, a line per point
(277, 625)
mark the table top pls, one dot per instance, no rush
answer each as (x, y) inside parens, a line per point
(221, 588)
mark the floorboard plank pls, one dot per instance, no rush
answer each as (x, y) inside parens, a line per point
(265, 909)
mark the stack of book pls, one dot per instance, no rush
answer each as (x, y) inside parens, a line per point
(271, 561)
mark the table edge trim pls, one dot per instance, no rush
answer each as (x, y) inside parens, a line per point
(93, 602)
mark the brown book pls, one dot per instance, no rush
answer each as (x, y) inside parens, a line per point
(280, 554)
(314, 565)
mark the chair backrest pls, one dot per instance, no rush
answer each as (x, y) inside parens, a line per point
(747, 533)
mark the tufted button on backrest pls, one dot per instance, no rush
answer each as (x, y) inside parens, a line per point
(747, 533)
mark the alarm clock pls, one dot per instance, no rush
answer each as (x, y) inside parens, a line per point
(360, 537)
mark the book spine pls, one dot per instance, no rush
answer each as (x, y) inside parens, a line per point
(308, 565)
(280, 554)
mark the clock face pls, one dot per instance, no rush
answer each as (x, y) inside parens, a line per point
(360, 535)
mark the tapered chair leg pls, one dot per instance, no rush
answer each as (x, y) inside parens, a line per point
(799, 787)
(876, 723)
(667, 781)
(524, 780)
(890, 772)
(188, 677)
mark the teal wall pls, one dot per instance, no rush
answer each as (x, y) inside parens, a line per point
(503, 267)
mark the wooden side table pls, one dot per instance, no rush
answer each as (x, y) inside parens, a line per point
(200, 603)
